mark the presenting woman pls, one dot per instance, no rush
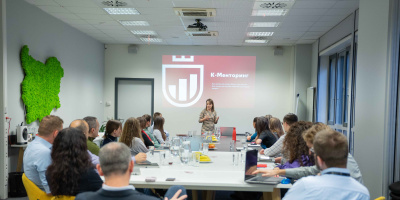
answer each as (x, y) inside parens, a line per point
(208, 117)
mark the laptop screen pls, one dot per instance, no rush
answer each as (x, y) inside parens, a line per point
(251, 164)
(226, 131)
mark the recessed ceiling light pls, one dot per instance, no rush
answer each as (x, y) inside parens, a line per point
(270, 12)
(252, 34)
(256, 41)
(122, 11)
(264, 24)
(151, 39)
(140, 32)
(133, 23)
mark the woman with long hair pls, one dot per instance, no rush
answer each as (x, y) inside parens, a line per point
(113, 131)
(71, 170)
(276, 126)
(146, 138)
(132, 137)
(295, 149)
(264, 135)
(158, 131)
(208, 117)
(253, 137)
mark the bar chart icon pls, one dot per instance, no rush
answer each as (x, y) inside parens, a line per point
(185, 91)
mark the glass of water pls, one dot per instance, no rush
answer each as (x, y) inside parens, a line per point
(196, 159)
(205, 148)
(235, 160)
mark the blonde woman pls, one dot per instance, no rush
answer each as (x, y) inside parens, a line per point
(276, 127)
(132, 137)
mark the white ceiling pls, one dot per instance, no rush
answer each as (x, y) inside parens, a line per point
(305, 22)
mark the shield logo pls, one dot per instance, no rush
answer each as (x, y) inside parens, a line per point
(182, 85)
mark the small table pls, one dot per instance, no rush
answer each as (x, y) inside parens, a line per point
(20, 155)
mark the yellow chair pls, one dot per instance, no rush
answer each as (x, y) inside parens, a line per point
(380, 198)
(33, 191)
(63, 197)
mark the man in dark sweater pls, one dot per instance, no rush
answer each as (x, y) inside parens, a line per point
(116, 166)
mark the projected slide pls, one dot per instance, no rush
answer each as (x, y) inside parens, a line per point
(190, 80)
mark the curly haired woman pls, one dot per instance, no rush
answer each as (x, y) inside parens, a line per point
(295, 149)
(71, 171)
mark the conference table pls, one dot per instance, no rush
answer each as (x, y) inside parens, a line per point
(219, 174)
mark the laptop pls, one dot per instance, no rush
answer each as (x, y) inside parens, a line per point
(251, 166)
(226, 131)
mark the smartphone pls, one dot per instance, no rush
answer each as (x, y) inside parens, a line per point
(150, 179)
(170, 179)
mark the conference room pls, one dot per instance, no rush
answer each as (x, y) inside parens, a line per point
(331, 61)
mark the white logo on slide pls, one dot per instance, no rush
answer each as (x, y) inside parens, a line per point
(185, 91)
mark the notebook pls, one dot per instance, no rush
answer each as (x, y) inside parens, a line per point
(251, 166)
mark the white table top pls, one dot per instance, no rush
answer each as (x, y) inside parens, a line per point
(220, 174)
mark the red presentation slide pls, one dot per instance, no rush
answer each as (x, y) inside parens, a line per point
(190, 80)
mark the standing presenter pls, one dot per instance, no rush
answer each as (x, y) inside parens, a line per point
(208, 117)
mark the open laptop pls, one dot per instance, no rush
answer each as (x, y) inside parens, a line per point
(226, 131)
(251, 166)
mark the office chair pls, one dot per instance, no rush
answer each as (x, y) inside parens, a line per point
(33, 191)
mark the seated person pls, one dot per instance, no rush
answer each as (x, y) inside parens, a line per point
(254, 136)
(276, 127)
(113, 131)
(159, 130)
(71, 171)
(132, 137)
(146, 138)
(94, 127)
(37, 155)
(331, 150)
(276, 149)
(265, 137)
(151, 128)
(116, 166)
(150, 133)
(295, 149)
(297, 173)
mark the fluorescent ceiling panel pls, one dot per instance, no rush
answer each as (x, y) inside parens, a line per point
(256, 41)
(143, 32)
(151, 39)
(253, 34)
(271, 12)
(122, 11)
(133, 23)
(264, 24)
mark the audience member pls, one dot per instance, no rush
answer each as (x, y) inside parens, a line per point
(150, 133)
(158, 114)
(146, 138)
(276, 149)
(132, 137)
(276, 127)
(295, 149)
(265, 137)
(94, 127)
(113, 131)
(71, 171)
(297, 173)
(37, 156)
(254, 136)
(331, 151)
(159, 129)
(116, 167)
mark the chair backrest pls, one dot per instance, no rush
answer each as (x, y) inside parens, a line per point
(63, 197)
(33, 191)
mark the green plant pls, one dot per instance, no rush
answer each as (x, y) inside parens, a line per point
(40, 86)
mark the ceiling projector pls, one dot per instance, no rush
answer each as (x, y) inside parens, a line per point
(197, 27)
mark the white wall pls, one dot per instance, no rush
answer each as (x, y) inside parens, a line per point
(371, 93)
(302, 77)
(274, 82)
(81, 57)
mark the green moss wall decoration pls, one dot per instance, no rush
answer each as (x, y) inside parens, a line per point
(40, 86)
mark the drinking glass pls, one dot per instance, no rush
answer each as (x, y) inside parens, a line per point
(235, 160)
(151, 148)
(190, 134)
(196, 159)
(162, 157)
(232, 145)
(243, 155)
(194, 133)
(185, 152)
(205, 148)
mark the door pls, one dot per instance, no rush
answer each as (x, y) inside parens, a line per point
(134, 97)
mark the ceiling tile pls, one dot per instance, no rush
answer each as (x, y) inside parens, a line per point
(341, 11)
(153, 4)
(103, 22)
(305, 41)
(347, 4)
(76, 22)
(331, 23)
(95, 17)
(105, 27)
(54, 9)
(320, 28)
(65, 16)
(80, 3)
(232, 4)
(336, 18)
(313, 4)
(315, 33)
(85, 10)
(42, 2)
(306, 11)
(304, 18)
(192, 4)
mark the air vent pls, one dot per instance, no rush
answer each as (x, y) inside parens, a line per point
(195, 12)
(202, 33)
(114, 3)
(272, 5)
